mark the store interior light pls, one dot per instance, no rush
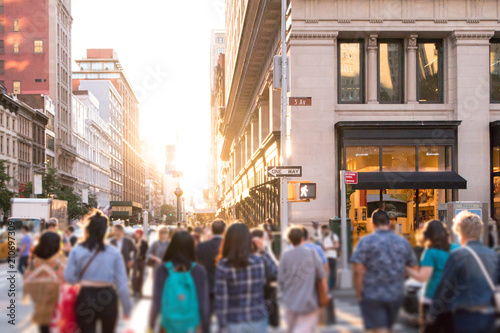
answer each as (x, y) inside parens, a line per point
(361, 154)
(432, 152)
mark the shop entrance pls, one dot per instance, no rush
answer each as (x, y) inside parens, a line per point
(407, 209)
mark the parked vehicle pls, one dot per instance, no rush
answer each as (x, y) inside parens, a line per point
(4, 249)
(30, 212)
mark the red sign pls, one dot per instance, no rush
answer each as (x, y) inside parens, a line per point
(351, 177)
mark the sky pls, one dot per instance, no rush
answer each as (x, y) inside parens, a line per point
(164, 47)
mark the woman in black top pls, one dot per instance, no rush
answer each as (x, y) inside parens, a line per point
(181, 253)
(140, 263)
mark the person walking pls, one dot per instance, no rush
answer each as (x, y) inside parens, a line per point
(469, 277)
(316, 233)
(158, 249)
(207, 253)
(100, 270)
(140, 263)
(240, 278)
(435, 238)
(125, 245)
(299, 270)
(330, 245)
(259, 247)
(380, 260)
(25, 248)
(179, 263)
(308, 242)
(69, 240)
(43, 278)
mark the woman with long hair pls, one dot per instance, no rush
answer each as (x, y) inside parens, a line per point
(435, 238)
(180, 257)
(100, 270)
(43, 278)
(240, 278)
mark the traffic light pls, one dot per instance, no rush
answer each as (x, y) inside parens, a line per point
(301, 191)
(307, 191)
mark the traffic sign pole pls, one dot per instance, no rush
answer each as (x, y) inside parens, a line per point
(345, 272)
(284, 108)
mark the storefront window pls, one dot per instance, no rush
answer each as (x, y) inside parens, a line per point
(495, 71)
(398, 158)
(390, 70)
(434, 158)
(496, 159)
(496, 198)
(408, 209)
(430, 72)
(351, 72)
(363, 159)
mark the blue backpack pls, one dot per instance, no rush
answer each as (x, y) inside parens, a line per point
(179, 302)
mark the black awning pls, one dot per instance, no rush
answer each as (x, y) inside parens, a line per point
(410, 180)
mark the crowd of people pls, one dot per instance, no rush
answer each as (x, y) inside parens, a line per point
(228, 276)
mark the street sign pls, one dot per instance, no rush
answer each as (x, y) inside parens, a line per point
(300, 101)
(351, 177)
(307, 191)
(284, 171)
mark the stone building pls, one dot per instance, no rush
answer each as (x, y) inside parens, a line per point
(405, 92)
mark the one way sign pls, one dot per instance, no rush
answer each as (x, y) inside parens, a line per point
(284, 171)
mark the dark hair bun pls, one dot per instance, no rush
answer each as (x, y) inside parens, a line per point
(97, 213)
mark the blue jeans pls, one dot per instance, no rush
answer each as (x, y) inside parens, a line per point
(473, 322)
(248, 327)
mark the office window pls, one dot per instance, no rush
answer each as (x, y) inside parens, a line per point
(2, 25)
(390, 72)
(2, 66)
(2, 46)
(351, 69)
(38, 46)
(16, 26)
(16, 87)
(495, 71)
(16, 47)
(430, 71)
(1, 6)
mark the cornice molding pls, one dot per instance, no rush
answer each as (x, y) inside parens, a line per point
(314, 35)
(471, 35)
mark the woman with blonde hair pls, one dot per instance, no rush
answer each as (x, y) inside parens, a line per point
(469, 277)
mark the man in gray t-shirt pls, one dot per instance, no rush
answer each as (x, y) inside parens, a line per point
(299, 270)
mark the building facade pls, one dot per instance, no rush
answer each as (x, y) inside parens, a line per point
(91, 136)
(8, 139)
(403, 92)
(217, 51)
(111, 112)
(36, 59)
(103, 64)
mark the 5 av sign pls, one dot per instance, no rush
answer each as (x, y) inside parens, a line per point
(300, 101)
(284, 171)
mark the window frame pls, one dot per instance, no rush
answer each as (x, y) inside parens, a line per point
(400, 43)
(14, 89)
(15, 47)
(440, 69)
(492, 41)
(362, 70)
(15, 25)
(35, 46)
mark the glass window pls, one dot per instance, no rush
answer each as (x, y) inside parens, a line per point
(430, 72)
(363, 159)
(2, 66)
(97, 66)
(38, 46)
(2, 25)
(398, 158)
(16, 47)
(16, 87)
(434, 158)
(84, 65)
(496, 159)
(109, 66)
(495, 71)
(2, 46)
(390, 72)
(351, 71)
(16, 26)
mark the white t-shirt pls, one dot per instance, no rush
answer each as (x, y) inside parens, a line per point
(328, 241)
